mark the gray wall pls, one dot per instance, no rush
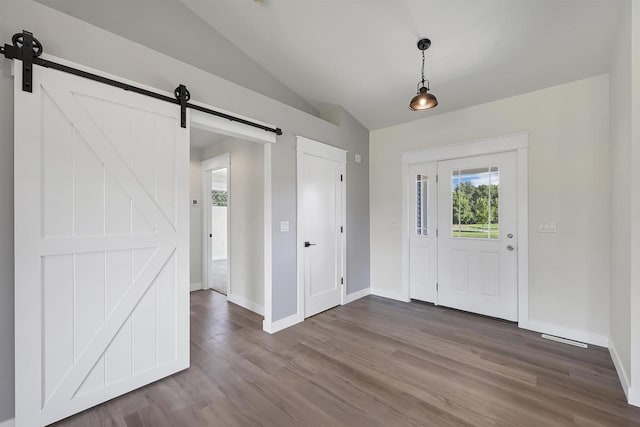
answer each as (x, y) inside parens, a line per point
(72, 39)
(284, 209)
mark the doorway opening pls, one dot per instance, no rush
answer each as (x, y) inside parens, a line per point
(227, 218)
(217, 218)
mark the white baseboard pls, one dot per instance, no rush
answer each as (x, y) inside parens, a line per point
(281, 324)
(245, 303)
(622, 373)
(634, 396)
(194, 287)
(356, 295)
(389, 294)
(8, 423)
(572, 334)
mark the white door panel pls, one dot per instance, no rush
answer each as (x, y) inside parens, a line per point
(321, 204)
(218, 215)
(101, 196)
(477, 244)
(321, 216)
(423, 203)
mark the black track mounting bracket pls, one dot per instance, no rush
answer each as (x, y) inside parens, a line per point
(183, 96)
(25, 47)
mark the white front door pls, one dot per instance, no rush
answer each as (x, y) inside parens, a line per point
(101, 244)
(320, 192)
(423, 223)
(477, 244)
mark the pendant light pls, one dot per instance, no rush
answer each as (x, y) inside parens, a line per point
(423, 99)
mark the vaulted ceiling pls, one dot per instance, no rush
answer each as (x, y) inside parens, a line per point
(362, 55)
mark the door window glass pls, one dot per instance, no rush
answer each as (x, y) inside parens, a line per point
(422, 205)
(475, 203)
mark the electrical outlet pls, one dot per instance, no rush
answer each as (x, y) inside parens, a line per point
(550, 227)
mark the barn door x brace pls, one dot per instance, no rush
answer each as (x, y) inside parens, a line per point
(26, 48)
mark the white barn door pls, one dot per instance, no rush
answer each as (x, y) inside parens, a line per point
(101, 244)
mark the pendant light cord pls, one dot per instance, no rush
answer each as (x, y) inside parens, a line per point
(423, 68)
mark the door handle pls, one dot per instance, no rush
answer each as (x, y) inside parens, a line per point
(210, 235)
(510, 248)
(307, 244)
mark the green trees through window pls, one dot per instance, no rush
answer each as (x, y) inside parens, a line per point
(219, 198)
(475, 203)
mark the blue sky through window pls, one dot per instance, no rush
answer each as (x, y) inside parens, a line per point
(476, 177)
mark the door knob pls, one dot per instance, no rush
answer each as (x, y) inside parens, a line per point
(510, 236)
(510, 248)
(307, 244)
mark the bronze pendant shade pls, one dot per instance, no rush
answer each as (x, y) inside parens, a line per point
(423, 99)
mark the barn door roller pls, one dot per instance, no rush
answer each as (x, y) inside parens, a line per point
(26, 48)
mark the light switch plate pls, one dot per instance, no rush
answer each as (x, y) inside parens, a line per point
(358, 158)
(284, 226)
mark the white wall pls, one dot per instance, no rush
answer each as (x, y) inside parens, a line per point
(624, 342)
(634, 253)
(620, 190)
(246, 176)
(195, 219)
(568, 184)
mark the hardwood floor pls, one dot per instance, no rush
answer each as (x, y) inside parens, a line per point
(374, 362)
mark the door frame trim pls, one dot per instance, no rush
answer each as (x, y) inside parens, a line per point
(212, 164)
(320, 149)
(517, 142)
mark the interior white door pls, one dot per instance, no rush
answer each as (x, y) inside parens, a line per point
(101, 244)
(423, 241)
(218, 222)
(321, 216)
(477, 244)
(219, 205)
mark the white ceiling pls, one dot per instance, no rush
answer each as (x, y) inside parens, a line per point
(362, 54)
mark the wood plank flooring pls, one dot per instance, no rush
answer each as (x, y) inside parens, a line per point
(374, 362)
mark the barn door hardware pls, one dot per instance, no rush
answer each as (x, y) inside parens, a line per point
(26, 48)
(183, 96)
